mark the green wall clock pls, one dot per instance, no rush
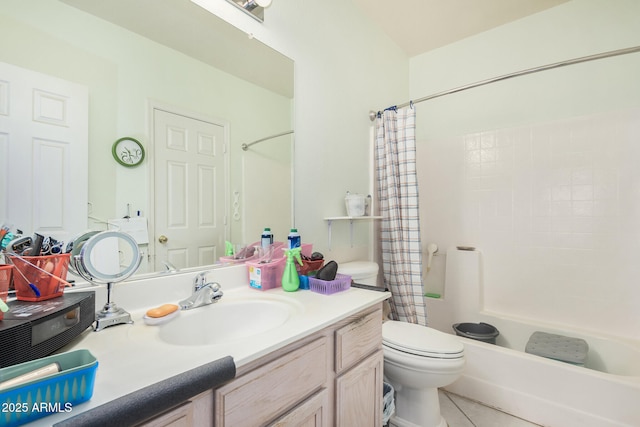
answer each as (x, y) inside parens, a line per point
(128, 152)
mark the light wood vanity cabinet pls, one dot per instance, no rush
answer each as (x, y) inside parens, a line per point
(332, 377)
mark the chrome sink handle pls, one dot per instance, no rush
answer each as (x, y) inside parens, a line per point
(215, 288)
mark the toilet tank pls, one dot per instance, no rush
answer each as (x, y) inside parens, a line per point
(364, 272)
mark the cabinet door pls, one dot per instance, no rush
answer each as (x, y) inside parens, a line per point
(313, 412)
(182, 416)
(359, 394)
(195, 412)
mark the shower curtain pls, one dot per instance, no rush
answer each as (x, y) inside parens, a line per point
(395, 160)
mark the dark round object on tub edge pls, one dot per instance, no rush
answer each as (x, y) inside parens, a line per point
(477, 331)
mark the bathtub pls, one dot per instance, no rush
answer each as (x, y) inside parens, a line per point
(605, 392)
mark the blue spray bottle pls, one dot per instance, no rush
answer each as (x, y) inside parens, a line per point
(290, 278)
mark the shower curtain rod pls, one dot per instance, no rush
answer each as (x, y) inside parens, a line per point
(625, 51)
(245, 147)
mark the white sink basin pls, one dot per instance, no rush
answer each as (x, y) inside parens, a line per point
(226, 321)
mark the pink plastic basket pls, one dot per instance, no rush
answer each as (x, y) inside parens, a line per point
(265, 276)
(306, 249)
(233, 260)
(341, 283)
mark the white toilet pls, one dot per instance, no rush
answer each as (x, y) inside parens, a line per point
(363, 272)
(418, 360)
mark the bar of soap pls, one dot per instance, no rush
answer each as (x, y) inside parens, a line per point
(163, 310)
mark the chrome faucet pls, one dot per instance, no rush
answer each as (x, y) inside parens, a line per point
(170, 268)
(204, 293)
(199, 281)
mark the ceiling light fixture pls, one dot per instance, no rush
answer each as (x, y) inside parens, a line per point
(252, 4)
(254, 8)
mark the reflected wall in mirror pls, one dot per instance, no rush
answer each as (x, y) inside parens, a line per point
(135, 54)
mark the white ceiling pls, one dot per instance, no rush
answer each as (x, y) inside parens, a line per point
(418, 26)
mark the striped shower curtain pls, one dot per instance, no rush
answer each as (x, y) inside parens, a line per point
(395, 160)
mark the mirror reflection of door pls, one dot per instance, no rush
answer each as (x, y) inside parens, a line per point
(43, 152)
(190, 163)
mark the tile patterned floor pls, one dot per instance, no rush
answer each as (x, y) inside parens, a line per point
(461, 412)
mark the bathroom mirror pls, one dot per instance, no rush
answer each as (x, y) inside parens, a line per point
(137, 55)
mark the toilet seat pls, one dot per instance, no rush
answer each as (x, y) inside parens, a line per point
(420, 340)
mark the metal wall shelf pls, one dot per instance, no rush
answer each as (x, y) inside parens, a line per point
(346, 218)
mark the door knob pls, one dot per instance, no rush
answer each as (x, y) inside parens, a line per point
(163, 239)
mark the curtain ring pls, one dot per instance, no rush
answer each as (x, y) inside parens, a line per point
(411, 104)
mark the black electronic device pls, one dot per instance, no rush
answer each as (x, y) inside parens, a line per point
(31, 330)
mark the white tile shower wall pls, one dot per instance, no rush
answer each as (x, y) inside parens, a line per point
(555, 209)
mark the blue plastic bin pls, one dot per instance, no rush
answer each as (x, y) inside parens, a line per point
(57, 393)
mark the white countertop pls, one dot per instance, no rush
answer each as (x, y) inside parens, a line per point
(131, 357)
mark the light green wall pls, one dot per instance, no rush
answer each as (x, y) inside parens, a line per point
(344, 67)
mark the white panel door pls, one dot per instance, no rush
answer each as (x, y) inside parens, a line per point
(44, 148)
(189, 195)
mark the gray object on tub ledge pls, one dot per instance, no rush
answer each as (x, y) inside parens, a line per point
(558, 347)
(152, 400)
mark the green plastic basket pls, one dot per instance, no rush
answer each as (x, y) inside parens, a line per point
(53, 394)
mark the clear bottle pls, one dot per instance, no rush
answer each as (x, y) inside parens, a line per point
(267, 238)
(294, 239)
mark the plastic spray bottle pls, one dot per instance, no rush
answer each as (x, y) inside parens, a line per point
(228, 248)
(290, 278)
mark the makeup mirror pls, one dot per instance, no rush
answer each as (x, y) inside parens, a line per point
(106, 257)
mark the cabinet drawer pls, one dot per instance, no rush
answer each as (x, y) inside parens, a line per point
(358, 339)
(268, 391)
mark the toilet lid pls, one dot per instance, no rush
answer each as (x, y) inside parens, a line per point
(420, 340)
